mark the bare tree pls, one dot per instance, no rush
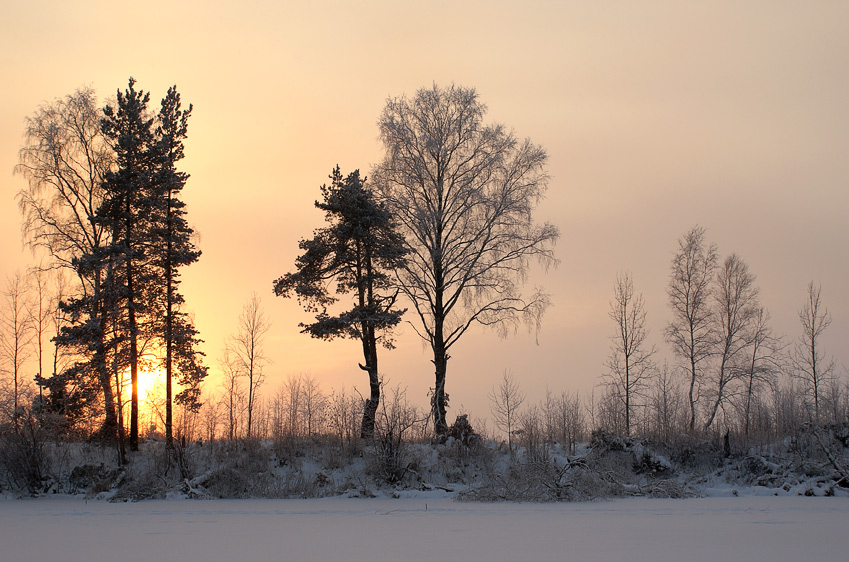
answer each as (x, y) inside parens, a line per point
(666, 405)
(16, 336)
(40, 311)
(291, 395)
(58, 319)
(630, 364)
(234, 396)
(211, 417)
(571, 420)
(690, 333)
(736, 301)
(810, 363)
(313, 404)
(463, 194)
(64, 159)
(763, 364)
(246, 349)
(505, 403)
(343, 413)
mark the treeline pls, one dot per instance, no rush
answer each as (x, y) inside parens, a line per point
(730, 372)
(448, 231)
(444, 227)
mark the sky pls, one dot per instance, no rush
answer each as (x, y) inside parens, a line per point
(656, 116)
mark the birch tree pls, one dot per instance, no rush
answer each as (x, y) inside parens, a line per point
(16, 336)
(64, 159)
(763, 363)
(246, 350)
(736, 301)
(630, 364)
(690, 332)
(463, 193)
(505, 402)
(811, 366)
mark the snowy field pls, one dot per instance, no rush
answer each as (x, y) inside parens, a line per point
(425, 528)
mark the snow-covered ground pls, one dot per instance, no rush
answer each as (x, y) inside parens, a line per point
(425, 527)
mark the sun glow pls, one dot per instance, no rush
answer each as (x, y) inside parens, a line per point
(151, 396)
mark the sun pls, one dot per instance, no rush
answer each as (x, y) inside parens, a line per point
(151, 395)
(147, 382)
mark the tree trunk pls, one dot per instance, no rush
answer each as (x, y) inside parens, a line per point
(691, 395)
(109, 430)
(370, 408)
(440, 361)
(169, 327)
(134, 354)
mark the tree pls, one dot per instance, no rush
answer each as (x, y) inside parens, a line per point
(463, 194)
(64, 159)
(234, 396)
(16, 336)
(666, 404)
(39, 313)
(763, 362)
(126, 208)
(246, 350)
(630, 364)
(171, 240)
(313, 404)
(736, 301)
(357, 252)
(690, 333)
(505, 403)
(810, 363)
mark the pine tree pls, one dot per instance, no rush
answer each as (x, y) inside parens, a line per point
(357, 251)
(126, 209)
(171, 239)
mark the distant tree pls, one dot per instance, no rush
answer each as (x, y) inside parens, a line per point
(666, 405)
(313, 404)
(357, 252)
(736, 313)
(505, 402)
(691, 333)
(247, 352)
(811, 366)
(463, 194)
(16, 336)
(290, 396)
(571, 421)
(233, 394)
(763, 363)
(630, 365)
(58, 320)
(39, 312)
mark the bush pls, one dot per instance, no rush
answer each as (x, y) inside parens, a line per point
(22, 455)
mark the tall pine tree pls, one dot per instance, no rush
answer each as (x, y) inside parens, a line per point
(171, 239)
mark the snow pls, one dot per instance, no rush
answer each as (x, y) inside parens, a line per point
(425, 526)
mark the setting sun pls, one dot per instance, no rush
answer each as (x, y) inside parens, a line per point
(151, 394)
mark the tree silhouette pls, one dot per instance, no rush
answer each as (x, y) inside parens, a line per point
(357, 252)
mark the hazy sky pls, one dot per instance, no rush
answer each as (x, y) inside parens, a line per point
(657, 116)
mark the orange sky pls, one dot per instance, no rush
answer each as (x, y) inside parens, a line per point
(656, 116)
